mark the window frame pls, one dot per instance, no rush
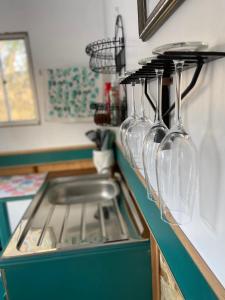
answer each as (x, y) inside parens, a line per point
(25, 37)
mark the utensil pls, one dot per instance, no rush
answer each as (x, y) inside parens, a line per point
(102, 135)
(106, 140)
(111, 140)
(98, 139)
(91, 134)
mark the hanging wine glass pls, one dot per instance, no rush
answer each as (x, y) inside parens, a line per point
(152, 141)
(176, 167)
(136, 133)
(129, 121)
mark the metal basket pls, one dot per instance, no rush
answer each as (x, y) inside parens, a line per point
(108, 55)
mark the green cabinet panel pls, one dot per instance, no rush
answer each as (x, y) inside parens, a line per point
(110, 272)
(44, 157)
(1, 290)
(4, 226)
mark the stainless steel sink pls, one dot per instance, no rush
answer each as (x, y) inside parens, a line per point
(83, 191)
(73, 212)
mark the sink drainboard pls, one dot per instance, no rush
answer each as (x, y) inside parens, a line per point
(75, 225)
(73, 214)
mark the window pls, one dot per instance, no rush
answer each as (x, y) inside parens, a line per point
(18, 103)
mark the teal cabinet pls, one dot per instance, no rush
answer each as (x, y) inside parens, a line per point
(109, 272)
(2, 292)
(4, 226)
(119, 268)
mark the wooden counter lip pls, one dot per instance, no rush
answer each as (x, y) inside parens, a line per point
(206, 272)
(45, 156)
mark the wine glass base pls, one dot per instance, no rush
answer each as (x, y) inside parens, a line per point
(150, 197)
(175, 217)
(138, 165)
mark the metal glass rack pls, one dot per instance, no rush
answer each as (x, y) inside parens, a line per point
(195, 59)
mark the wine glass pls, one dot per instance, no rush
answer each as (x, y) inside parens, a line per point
(152, 140)
(129, 121)
(136, 133)
(176, 166)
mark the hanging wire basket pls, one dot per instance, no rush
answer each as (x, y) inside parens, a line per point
(108, 55)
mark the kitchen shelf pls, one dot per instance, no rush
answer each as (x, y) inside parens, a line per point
(195, 59)
(165, 61)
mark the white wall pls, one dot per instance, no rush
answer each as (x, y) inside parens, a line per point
(59, 32)
(204, 111)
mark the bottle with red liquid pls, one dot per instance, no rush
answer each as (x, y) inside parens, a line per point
(102, 115)
(107, 90)
(115, 102)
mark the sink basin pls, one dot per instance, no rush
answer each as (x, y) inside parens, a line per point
(72, 212)
(83, 191)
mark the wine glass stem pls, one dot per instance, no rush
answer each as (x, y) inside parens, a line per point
(142, 113)
(133, 109)
(158, 115)
(178, 72)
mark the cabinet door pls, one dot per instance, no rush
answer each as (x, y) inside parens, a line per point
(1, 289)
(4, 226)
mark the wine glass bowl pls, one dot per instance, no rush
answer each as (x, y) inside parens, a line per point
(150, 148)
(128, 122)
(135, 137)
(176, 170)
(123, 130)
(136, 133)
(176, 167)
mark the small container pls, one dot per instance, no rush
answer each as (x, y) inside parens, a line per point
(103, 160)
(102, 117)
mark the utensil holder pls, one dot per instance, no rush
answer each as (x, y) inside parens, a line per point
(103, 160)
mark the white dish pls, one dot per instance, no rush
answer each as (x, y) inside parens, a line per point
(181, 46)
(145, 61)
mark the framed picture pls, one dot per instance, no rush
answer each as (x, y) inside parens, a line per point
(153, 13)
